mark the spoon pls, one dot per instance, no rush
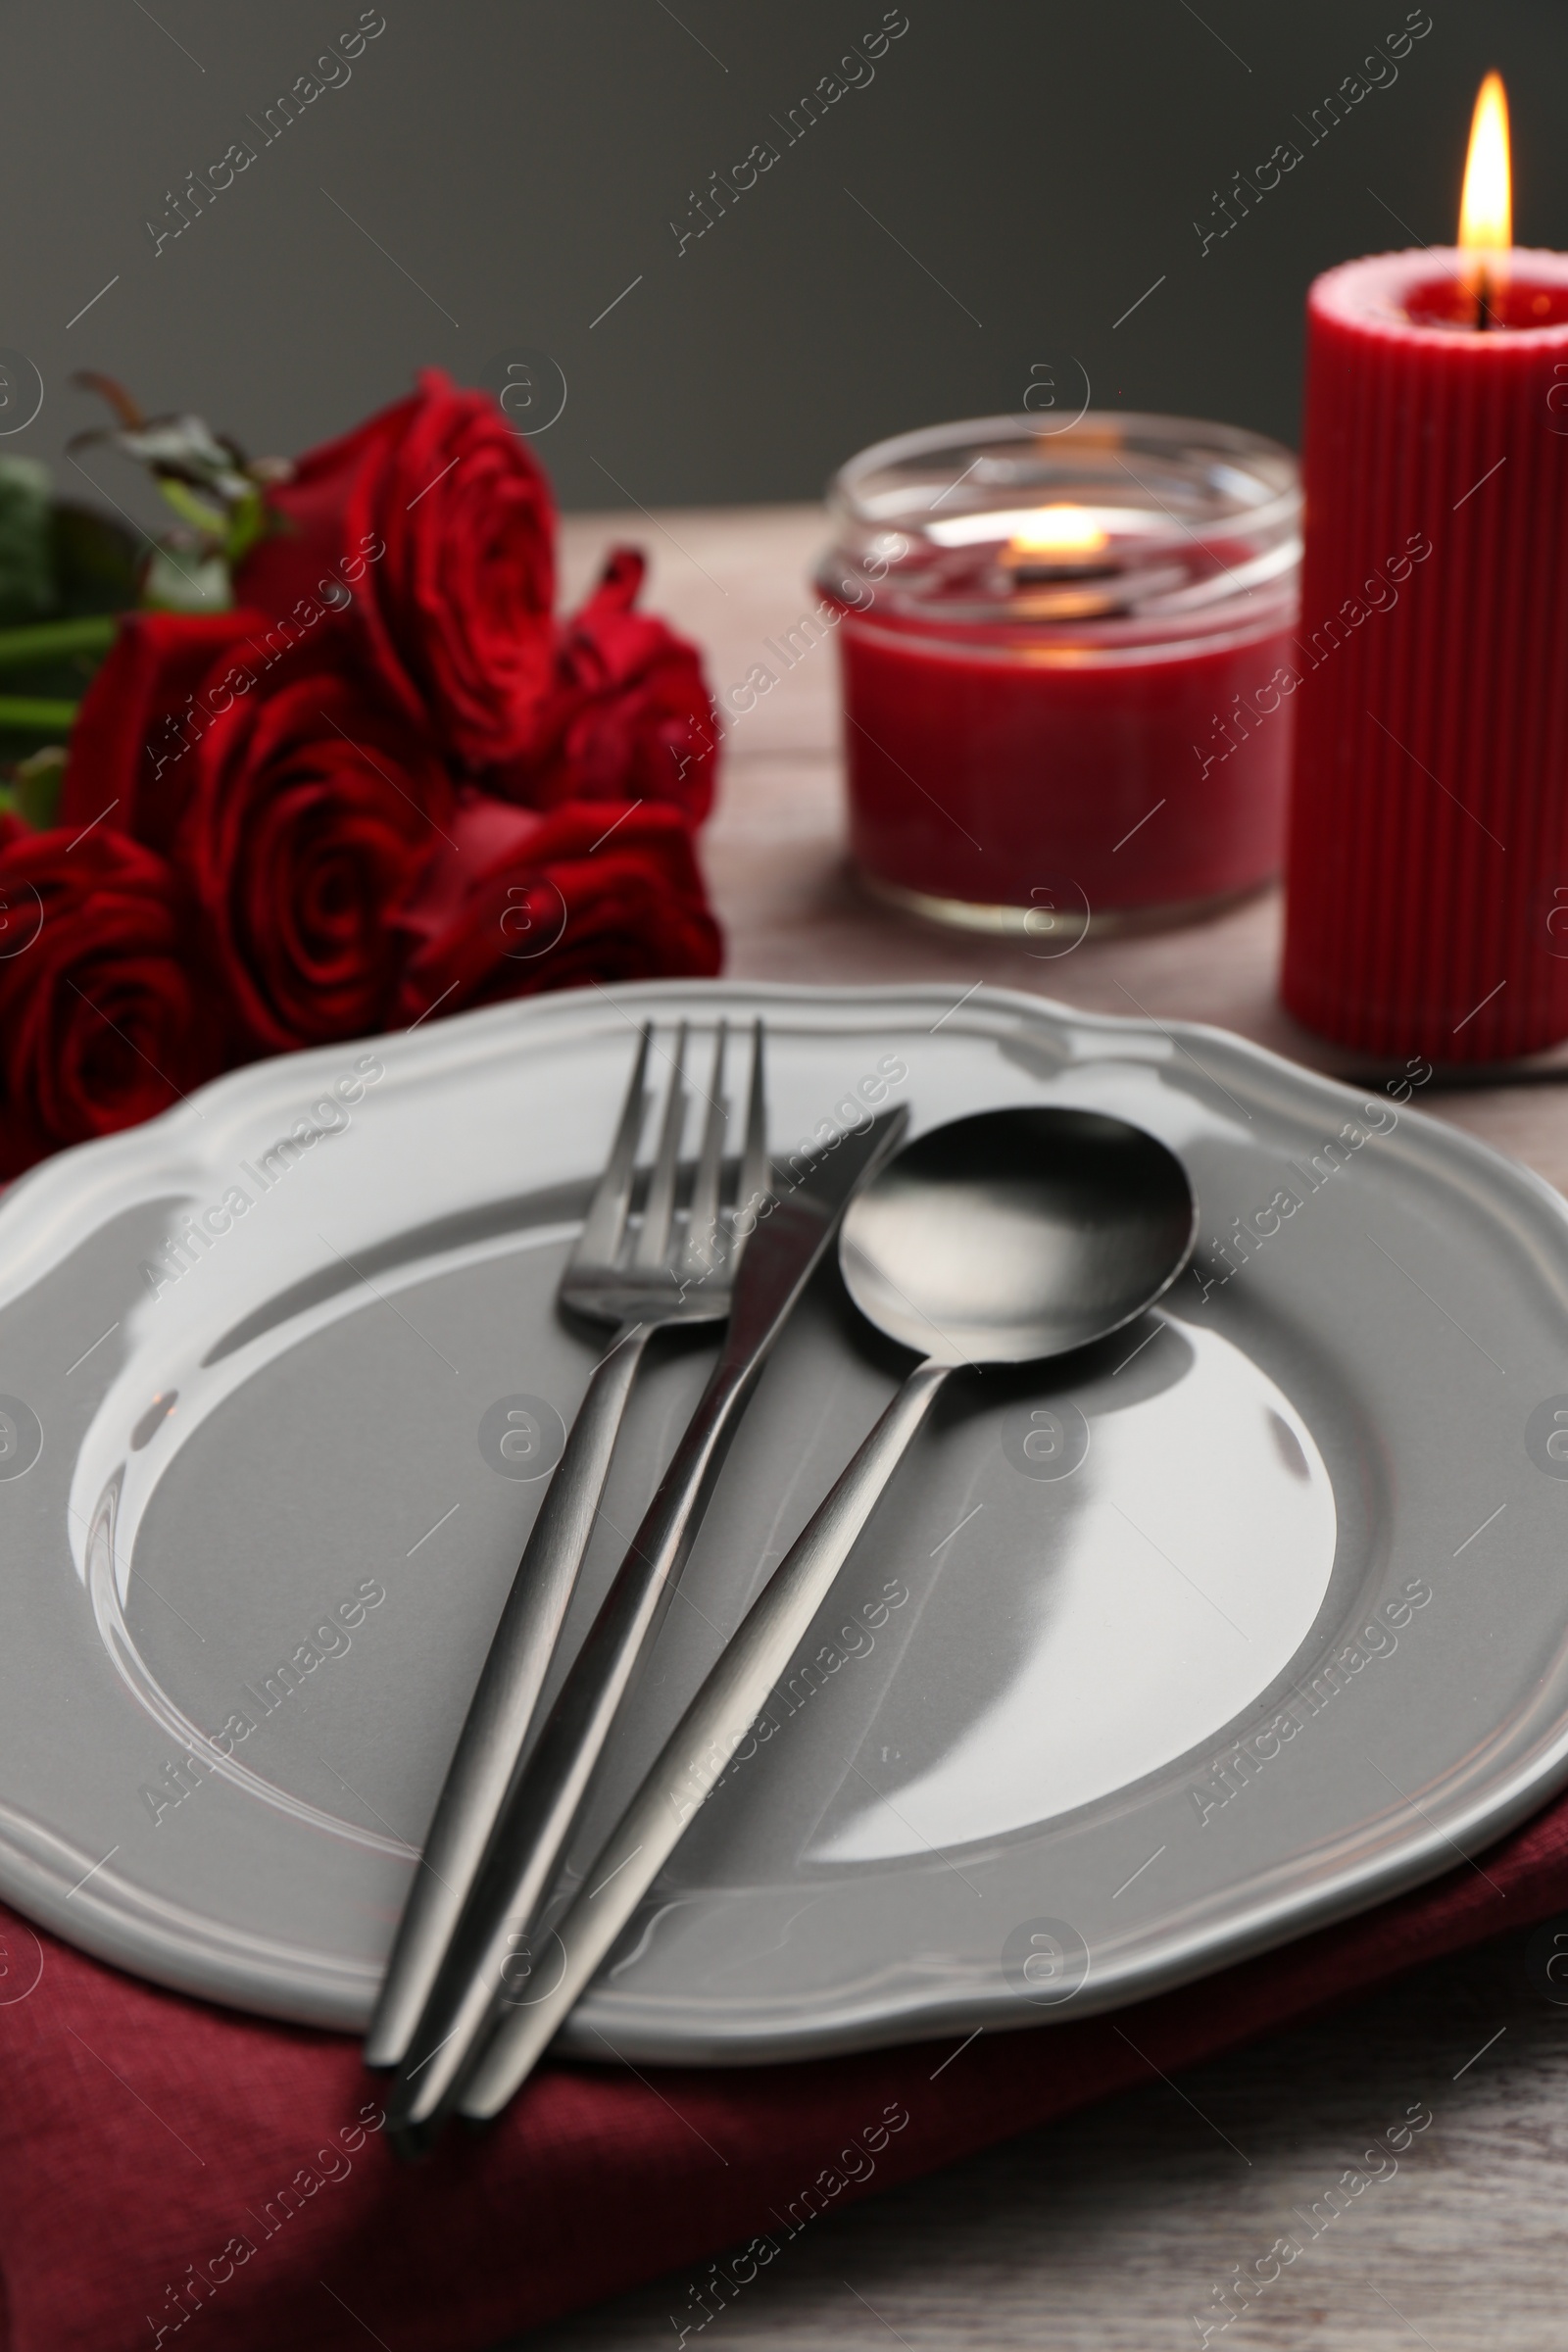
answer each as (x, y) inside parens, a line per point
(1006, 1237)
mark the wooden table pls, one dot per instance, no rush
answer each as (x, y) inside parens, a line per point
(1109, 2230)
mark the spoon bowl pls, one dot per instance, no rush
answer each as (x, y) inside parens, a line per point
(1016, 1235)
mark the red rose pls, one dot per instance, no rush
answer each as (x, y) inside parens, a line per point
(311, 817)
(105, 1013)
(529, 902)
(287, 770)
(436, 521)
(140, 715)
(629, 718)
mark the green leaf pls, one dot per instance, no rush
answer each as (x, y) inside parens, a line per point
(35, 792)
(96, 561)
(250, 519)
(26, 554)
(204, 515)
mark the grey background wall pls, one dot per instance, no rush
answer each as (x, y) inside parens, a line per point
(1002, 184)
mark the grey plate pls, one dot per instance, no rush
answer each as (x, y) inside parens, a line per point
(1242, 1622)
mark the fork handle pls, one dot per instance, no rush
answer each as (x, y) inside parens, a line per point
(502, 1705)
(695, 1757)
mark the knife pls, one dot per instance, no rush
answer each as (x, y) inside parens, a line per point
(515, 1883)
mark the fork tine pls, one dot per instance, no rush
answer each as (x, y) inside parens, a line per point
(756, 1176)
(702, 1224)
(606, 1221)
(653, 1242)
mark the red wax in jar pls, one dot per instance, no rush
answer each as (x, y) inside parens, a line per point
(1427, 905)
(1067, 679)
(1043, 774)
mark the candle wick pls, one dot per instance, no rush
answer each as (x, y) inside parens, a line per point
(1484, 318)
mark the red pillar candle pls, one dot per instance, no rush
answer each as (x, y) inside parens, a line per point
(1062, 652)
(1427, 899)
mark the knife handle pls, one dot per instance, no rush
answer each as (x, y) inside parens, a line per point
(503, 1704)
(695, 1756)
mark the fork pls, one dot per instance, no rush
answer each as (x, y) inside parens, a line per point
(667, 1275)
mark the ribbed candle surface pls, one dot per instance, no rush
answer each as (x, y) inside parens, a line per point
(1427, 866)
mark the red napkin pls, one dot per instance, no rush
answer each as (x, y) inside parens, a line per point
(168, 2165)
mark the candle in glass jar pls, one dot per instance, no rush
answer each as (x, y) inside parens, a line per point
(1066, 663)
(1427, 899)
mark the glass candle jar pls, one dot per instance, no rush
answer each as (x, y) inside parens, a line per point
(1067, 666)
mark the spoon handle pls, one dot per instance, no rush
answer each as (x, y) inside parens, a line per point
(697, 1752)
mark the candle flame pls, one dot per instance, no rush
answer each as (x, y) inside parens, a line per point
(1486, 208)
(1060, 531)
